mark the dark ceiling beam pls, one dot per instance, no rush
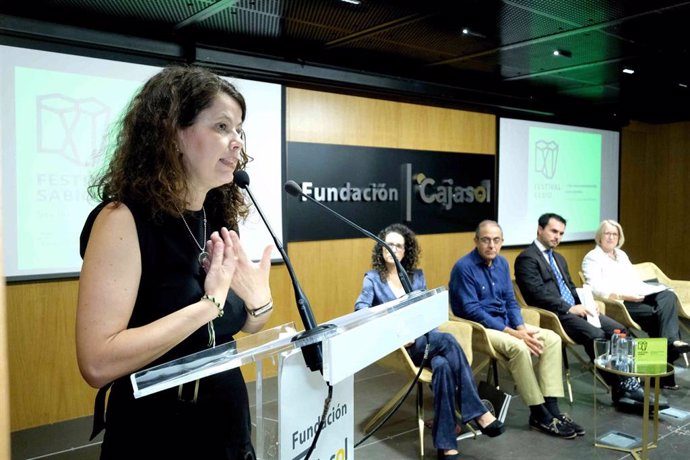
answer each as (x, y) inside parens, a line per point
(206, 13)
(548, 38)
(14, 26)
(384, 27)
(45, 35)
(572, 67)
(330, 77)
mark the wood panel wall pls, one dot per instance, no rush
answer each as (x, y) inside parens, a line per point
(337, 119)
(4, 365)
(654, 205)
(45, 385)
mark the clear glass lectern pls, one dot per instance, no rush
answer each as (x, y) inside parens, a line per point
(347, 347)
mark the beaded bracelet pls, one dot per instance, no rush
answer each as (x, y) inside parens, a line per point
(216, 303)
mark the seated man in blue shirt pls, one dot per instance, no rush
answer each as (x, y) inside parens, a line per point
(481, 290)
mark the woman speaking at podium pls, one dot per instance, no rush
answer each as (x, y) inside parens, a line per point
(452, 381)
(165, 274)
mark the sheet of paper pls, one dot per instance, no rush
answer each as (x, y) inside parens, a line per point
(587, 299)
(647, 288)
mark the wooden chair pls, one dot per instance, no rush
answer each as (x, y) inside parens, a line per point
(549, 320)
(399, 361)
(615, 309)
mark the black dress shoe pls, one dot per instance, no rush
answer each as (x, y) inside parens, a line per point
(555, 428)
(565, 418)
(669, 382)
(681, 348)
(440, 455)
(493, 429)
(631, 399)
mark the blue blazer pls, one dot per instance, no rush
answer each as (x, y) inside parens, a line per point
(375, 292)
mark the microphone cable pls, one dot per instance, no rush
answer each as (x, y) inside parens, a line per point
(312, 352)
(322, 422)
(402, 400)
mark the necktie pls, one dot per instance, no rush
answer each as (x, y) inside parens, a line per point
(565, 292)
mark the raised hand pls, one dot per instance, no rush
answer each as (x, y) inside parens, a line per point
(250, 280)
(221, 264)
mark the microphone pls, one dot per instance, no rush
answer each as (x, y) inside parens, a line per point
(295, 190)
(312, 353)
(303, 305)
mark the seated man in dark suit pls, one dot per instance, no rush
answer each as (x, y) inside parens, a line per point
(544, 280)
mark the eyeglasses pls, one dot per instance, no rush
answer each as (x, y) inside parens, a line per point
(611, 234)
(396, 246)
(485, 240)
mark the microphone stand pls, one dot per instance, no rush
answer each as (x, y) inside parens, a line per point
(295, 190)
(313, 356)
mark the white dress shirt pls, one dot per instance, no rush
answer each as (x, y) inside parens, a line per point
(609, 275)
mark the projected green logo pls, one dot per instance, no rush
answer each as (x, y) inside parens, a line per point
(565, 173)
(61, 123)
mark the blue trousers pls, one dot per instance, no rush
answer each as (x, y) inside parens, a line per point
(452, 384)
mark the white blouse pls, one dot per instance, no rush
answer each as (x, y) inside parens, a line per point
(608, 276)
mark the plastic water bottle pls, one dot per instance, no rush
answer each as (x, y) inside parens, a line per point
(624, 351)
(615, 337)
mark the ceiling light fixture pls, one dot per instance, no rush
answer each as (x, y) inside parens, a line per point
(352, 2)
(564, 53)
(628, 71)
(471, 33)
(683, 85)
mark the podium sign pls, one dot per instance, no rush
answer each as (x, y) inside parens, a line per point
(651, 355)
(302, 396)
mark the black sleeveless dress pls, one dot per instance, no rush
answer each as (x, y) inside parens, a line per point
(163, 425)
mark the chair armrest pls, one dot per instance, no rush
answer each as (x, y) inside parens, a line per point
(601, 306)
(649, 270)
(617, 311)
(682, 290)
(398, 361)
(681, 286)
(549, 320)
(480, 340)
(531, 316)
(462, 333)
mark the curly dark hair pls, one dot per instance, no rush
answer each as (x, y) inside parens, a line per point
(412, 251)
(146, 165)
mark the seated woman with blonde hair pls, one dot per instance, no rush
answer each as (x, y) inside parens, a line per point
(608, 270)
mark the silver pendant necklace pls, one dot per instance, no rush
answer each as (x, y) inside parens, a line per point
(203, 255)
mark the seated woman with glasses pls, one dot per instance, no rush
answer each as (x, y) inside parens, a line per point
(452, 381)
(609, 271)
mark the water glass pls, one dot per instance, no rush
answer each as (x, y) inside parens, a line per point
(602, 350)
